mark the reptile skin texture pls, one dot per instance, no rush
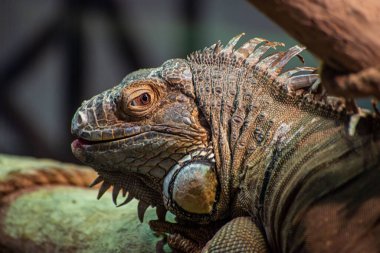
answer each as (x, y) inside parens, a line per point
(249, 155)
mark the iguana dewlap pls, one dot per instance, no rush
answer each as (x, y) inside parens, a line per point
(253, 157)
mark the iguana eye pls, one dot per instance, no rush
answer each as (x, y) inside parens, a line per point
(138, 101)
(143, 99)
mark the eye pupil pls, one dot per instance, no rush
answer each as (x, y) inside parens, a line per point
(141, 100)
(145, 98)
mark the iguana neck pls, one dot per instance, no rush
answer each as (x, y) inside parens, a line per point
(225, 97)
(246, 115)
(257, 123)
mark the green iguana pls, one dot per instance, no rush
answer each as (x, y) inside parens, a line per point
(247, 156)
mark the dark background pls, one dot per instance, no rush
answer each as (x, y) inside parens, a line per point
(54, 54)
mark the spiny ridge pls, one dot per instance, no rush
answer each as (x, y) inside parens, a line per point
(301, 83)
(97, 180)
(115, 192)
(141, 208)
(161, 212)
(245, 50)
(127, 200)
(117, 188)
(105, 186)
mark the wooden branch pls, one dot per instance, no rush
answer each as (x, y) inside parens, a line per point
(344, 34)
(362, 83)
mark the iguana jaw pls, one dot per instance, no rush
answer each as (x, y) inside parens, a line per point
(83, 143)
(139, 181)
(89, 141)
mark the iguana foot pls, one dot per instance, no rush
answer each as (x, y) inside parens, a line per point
(185, 237)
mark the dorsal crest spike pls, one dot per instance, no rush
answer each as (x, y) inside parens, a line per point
(231, 44)
(266, 62)
(284, 58)
(291, 72)
(212, 47)
(251, 59)
(248, 47)
(218, 47)
(255, 56)
(301, 58)
(301, 81)
(293, 51)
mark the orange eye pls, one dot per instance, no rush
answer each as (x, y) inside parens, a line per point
(143, 99)
(139, 99)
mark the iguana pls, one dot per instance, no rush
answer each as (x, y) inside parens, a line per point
(248, 156)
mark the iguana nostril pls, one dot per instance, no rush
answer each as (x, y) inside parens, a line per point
(81, 119)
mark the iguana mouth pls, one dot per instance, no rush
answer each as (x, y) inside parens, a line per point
(83, 142)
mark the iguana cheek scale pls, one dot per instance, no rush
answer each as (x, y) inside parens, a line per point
(192, 184)
(238, 149)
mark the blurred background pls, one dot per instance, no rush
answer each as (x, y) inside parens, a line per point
(54, 54)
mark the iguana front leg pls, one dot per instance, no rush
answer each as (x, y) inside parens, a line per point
(185, 236)
(239, 235)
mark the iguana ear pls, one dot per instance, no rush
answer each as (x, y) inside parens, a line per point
(177, 72)
(191, 187)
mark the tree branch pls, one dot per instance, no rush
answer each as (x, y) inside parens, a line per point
(345, 34)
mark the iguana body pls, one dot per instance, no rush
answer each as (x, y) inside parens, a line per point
(228, 134)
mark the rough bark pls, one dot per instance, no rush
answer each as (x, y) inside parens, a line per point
(344, 34)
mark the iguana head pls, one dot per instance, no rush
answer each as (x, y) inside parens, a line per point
(147, 137)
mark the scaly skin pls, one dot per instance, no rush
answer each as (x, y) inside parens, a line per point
(248, 157)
